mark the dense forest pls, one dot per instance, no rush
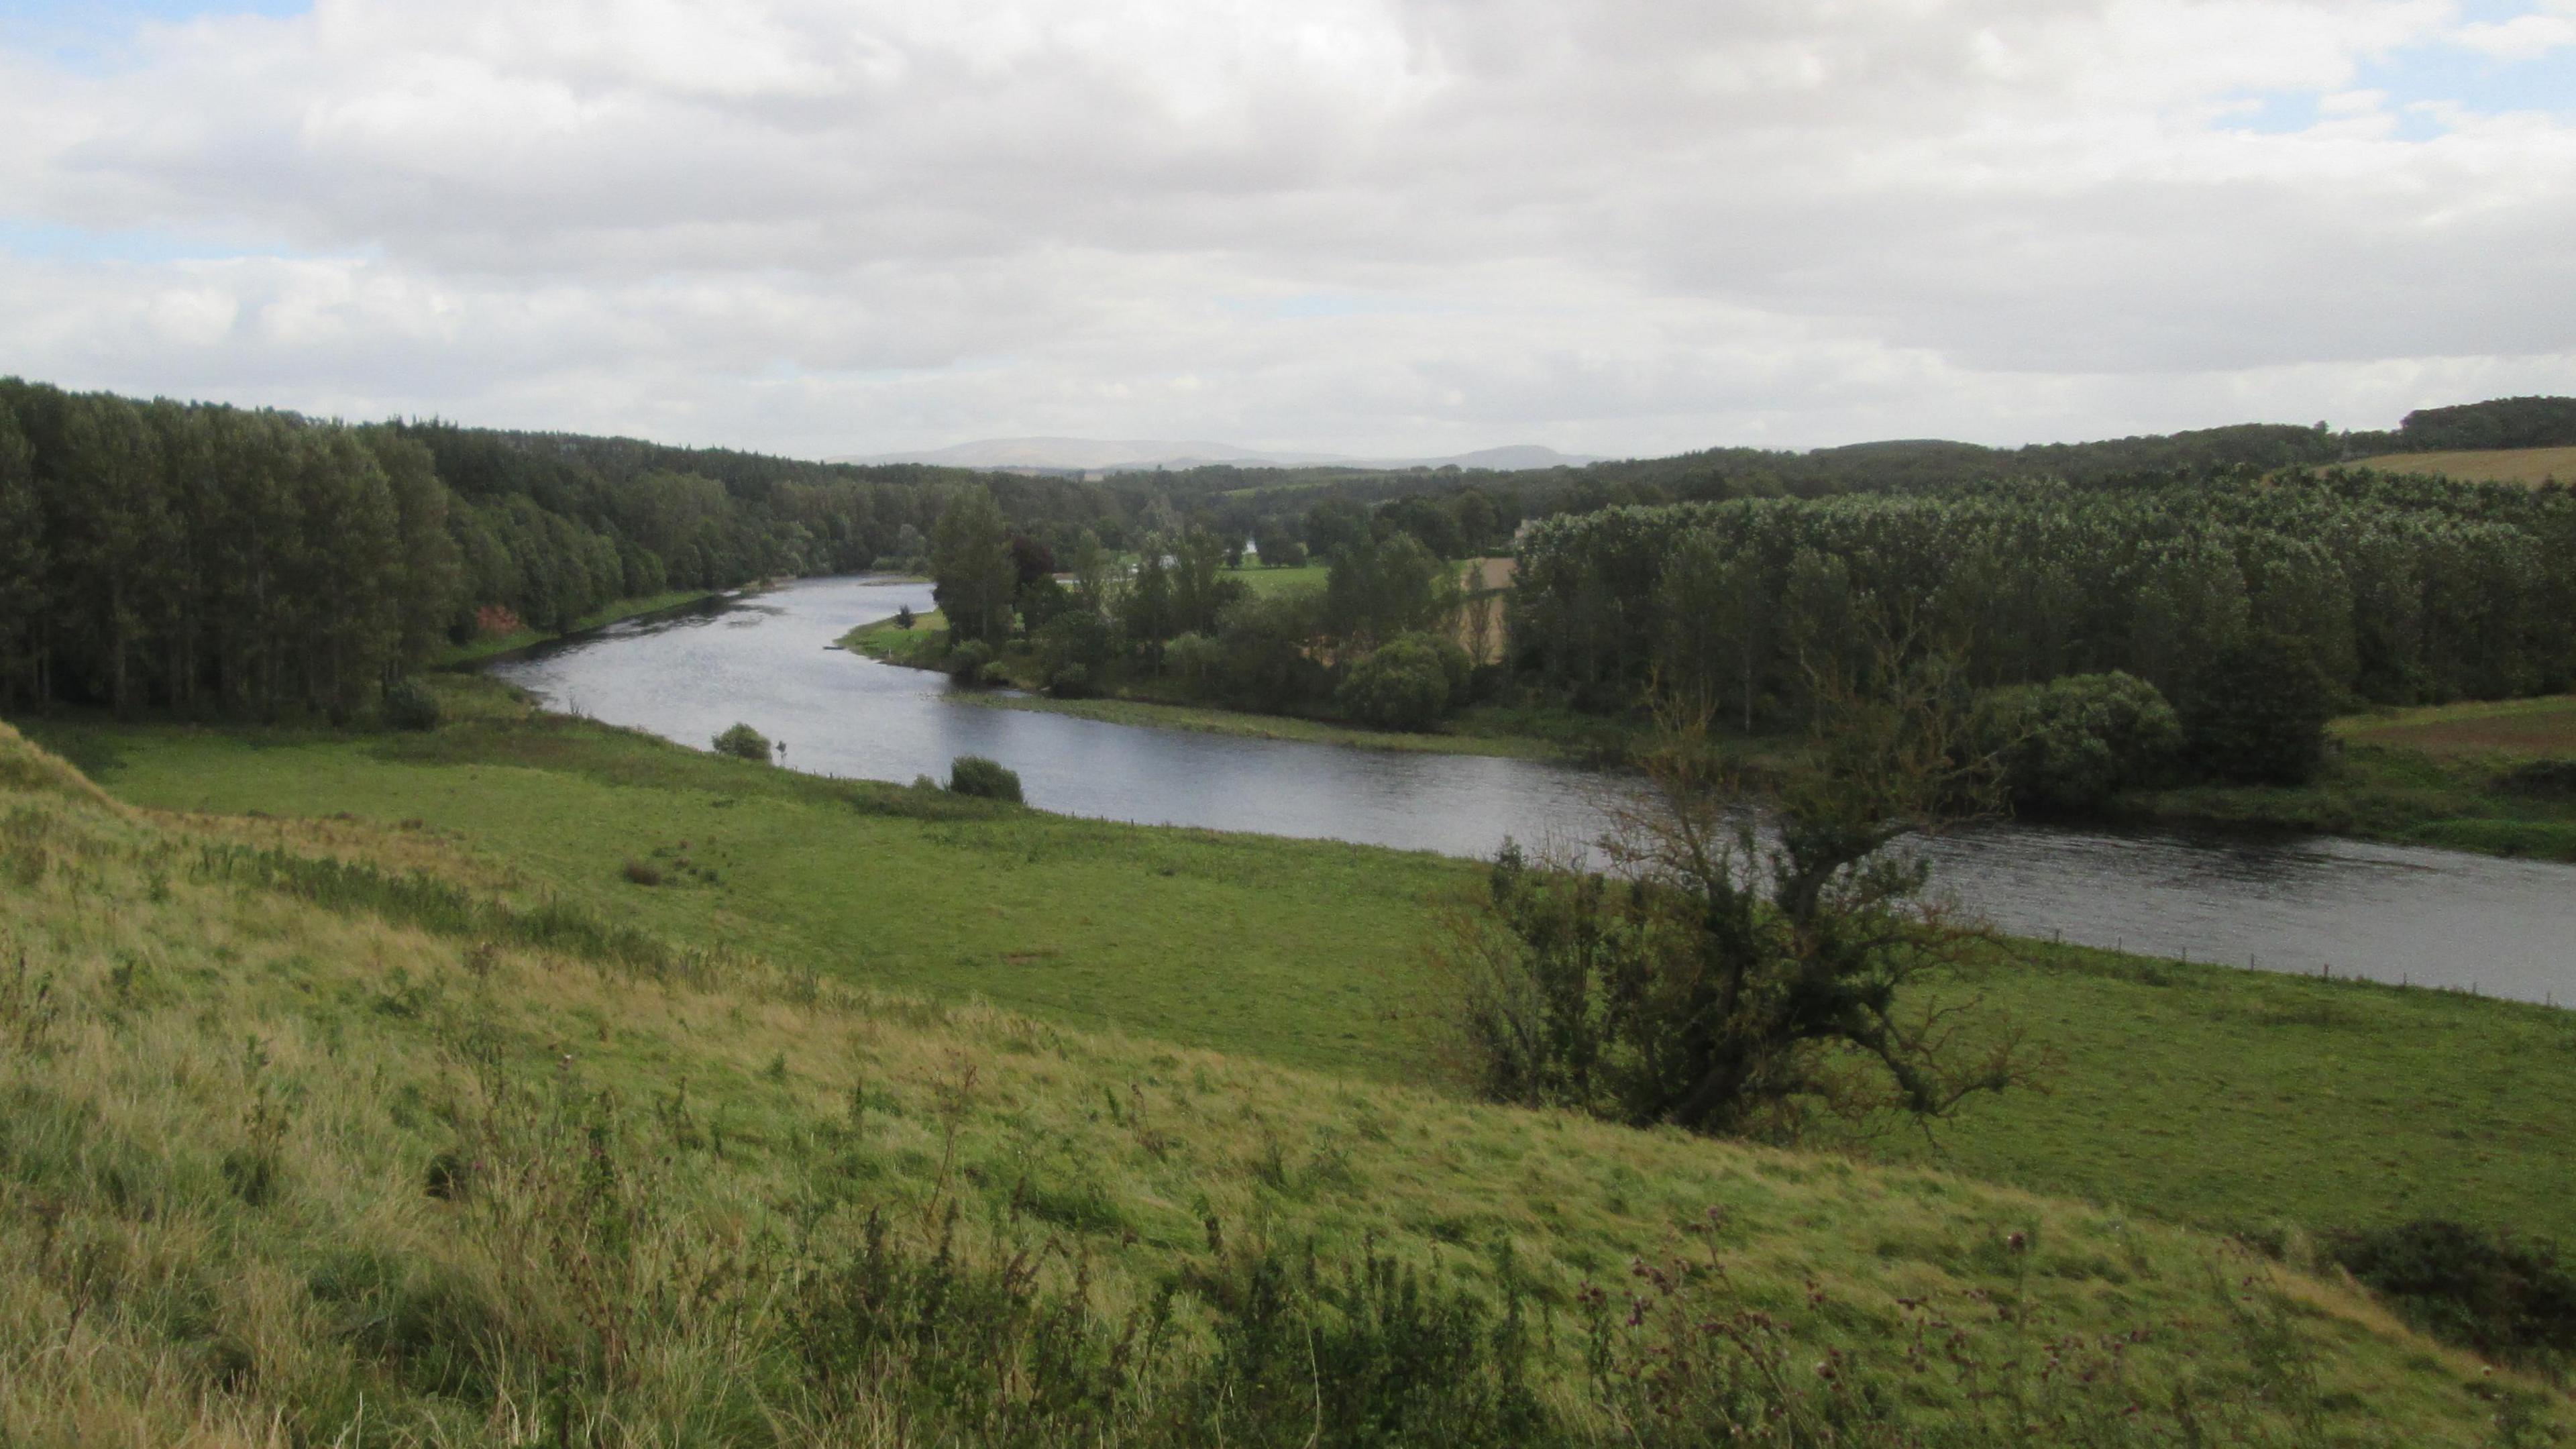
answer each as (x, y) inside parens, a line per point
(2298, 593)
(213, 560)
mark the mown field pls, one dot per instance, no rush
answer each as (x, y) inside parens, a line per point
(2197, 1093)
(361, 1131)
(2498, 465)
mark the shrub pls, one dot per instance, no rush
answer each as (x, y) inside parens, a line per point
(2506, 1299)
(410, 706)
(982, 778)
(903, 617)
(2540, 777)
(1194, 657)
(1406, 684)
(643, 873)
(743, 743)
(968, 662)
(1285, 553)
(2074, 742)
(1070, 682)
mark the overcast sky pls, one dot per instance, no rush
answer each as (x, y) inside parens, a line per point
(1374, 226)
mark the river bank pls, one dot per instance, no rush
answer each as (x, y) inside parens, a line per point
(1522, 734)
(460, 656)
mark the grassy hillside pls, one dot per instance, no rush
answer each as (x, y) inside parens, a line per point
(2491, 465)
(2203, 1094)
(334, 1132)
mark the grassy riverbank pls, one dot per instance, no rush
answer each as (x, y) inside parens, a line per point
(2201, 1094)
(424, 1131)
(462, 654)
(2442, 775)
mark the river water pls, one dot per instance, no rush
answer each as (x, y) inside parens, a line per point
(2392, 913)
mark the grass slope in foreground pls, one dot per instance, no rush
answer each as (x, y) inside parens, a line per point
(313, 1137)
(2230, 1098)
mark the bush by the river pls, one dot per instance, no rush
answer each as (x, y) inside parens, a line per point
(1072, 681)
(743, 743)
(982, 778)
(968, 661)
(2072, 743)
(410, 706)
(1408, 683)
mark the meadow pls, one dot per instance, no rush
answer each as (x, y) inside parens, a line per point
(2226, 1098)
(2460, 776)
(2493, 465)
(359, 1132)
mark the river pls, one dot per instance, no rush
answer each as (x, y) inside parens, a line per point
(2304, 904)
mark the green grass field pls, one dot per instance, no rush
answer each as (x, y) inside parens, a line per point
(2497, 465)
(2429, 776)
(2201, 1094)
(448, 1143)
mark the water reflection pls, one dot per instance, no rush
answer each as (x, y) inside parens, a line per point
(2506, 928)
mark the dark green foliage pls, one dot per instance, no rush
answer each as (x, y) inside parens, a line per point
(2507, 422)
(743, 743)
(1729, 985)
(983, 779)
(975, 576)
(2506, 1298)
(2072, 743)
(1283, 553)
(2256, 711)
(2397, 589)
(409, 705)
(1070, 681)
(968, 660)
(1379, 590)
(1408, 683)
(1336, 526)
(903, 617)
(2548, 779)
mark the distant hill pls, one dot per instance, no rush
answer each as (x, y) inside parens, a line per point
(1071, 455)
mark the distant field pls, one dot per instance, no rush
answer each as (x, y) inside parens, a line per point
(2528, 728)
(1279, 581)
(2501, 465)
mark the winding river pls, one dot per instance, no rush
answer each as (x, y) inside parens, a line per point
(2392, 913)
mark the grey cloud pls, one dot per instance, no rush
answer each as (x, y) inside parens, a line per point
(852, 228)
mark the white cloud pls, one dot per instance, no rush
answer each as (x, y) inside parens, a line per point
(818, 226)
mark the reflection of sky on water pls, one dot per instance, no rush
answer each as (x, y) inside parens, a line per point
(2394, 913)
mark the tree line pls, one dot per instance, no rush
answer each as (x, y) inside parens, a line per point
(212, 560)
(2346, 586)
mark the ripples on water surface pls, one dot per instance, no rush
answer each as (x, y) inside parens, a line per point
(2393, 913)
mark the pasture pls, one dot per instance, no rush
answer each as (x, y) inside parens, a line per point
(2201, 1094)
(323, 1127)
(2498, 465)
